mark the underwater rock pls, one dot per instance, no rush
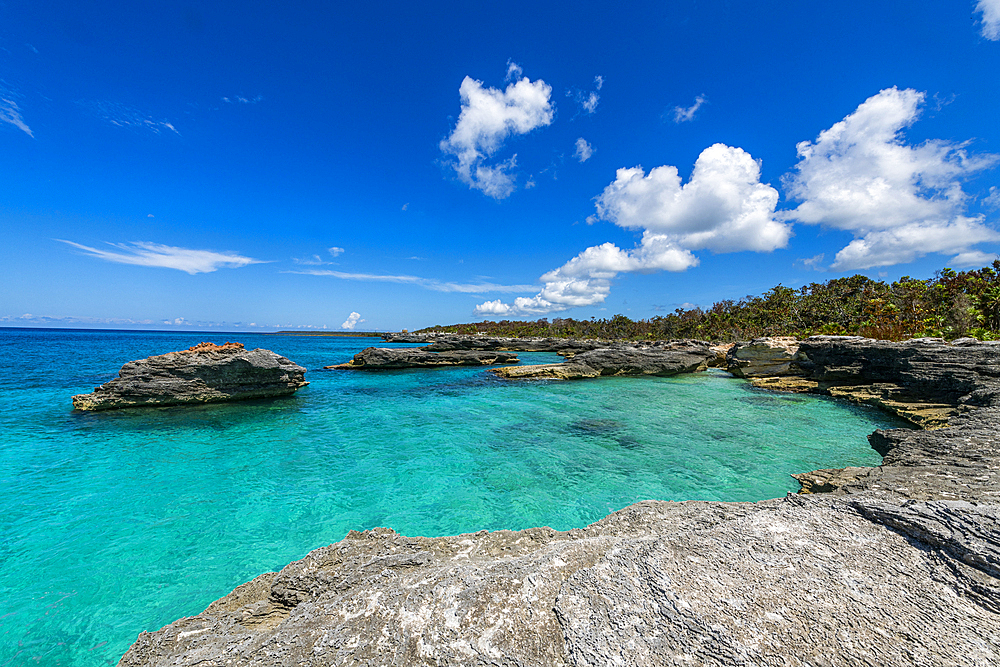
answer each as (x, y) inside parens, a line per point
(205, 373)
(385, 358)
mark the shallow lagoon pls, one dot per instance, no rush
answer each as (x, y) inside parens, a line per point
(118, 522)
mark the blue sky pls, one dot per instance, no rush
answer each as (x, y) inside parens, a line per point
(255, 165)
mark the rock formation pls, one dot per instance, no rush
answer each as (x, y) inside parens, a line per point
(205, 373)
(896, 565)
(386, 358)
(447, 342)
(621, 359)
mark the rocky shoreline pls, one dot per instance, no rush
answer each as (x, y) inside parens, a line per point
(388, 358)
(205, 373)
(893, 565)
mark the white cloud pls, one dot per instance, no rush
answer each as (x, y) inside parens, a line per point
(426, 283)
(488, 117)
(11, 113)
(724, 208)
(900, 201)
(587, 99)
(972, 259)
(815, 262)
(240, 99)
(682, 115)
(121, 115)
(584, 150)
(992, 200)
(352, 321)
(141, 253)
(335, 251)
(991, 18)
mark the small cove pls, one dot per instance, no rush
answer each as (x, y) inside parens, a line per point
(118, 522)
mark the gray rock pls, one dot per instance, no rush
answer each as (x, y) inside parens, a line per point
(447, 342)
(660, 360)
(384, 358)
(206, 373)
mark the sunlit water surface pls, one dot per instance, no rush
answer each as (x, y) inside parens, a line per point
(118, 522)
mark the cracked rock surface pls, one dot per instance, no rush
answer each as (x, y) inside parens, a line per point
(384, 358)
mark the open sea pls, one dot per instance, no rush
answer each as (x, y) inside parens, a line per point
(117, 522)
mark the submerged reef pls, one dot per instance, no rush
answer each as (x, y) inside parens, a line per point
(205, 373)
(897, 564)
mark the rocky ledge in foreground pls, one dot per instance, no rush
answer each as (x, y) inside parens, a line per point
(385, 358)
(899, 565)
(205, 373)
(661, 359)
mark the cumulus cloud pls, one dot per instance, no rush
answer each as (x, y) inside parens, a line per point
(972, 259)
(142, 253)
(900, 201)
(335, 251)
(426, 283)
(683, 115)
(488, 117)
(11, 113)
(584, 150)
(991, 18)
(352, 321)
(723, 207)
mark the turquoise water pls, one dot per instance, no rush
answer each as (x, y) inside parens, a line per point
(118, 522)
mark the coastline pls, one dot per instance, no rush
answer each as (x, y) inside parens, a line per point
(907, 549)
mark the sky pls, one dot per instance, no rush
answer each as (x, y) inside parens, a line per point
(255, 165)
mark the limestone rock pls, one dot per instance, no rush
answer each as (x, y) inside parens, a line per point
(448, 342)
(205, 373)
(661, 360)
(385, 358)
(764, 356)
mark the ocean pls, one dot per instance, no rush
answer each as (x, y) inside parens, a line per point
(117, 522)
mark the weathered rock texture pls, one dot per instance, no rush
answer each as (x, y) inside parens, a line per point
(621, 359)
(446, 342)
(385, 358)
(205, 373)
(898, 565)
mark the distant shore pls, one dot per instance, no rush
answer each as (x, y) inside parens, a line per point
(341, 334)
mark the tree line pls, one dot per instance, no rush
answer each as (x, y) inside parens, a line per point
(952, 304)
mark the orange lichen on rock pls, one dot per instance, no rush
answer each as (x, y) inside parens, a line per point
(212, 347)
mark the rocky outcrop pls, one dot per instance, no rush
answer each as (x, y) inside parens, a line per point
(925, 381)
(387, 358)
(895, 565)
(205, 373)
(764, 357)
(661, 360)
(448, 342)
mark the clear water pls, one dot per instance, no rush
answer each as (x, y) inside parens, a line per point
(118, 522)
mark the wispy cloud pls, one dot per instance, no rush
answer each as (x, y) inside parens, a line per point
(584, 150)
(488, 117)
(142, 253)
(426, 283)
(684, 115)
(10, 112)
(240, 99)
(122, 115)
(991, 18)
(587, 99)
(316, 260)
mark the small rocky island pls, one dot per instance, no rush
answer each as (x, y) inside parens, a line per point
(893, 565)
(388, 358)
(205, 373)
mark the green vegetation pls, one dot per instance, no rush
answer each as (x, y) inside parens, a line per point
(950, 305)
